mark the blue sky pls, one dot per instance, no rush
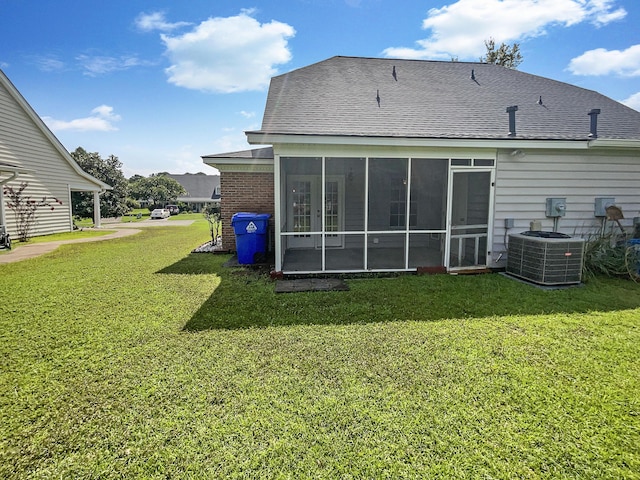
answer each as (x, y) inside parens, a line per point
(158, 84)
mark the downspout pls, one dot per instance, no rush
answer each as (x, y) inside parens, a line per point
(7, 180)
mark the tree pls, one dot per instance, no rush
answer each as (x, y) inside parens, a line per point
(158, 189)
(505, 55)
(24, 208)
(134, 178)
(215, 226)
(109, 170)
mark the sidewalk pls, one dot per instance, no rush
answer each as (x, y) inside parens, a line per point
(36, 249)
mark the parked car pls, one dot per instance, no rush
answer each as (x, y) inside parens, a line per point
(160, 213)
(173, 209)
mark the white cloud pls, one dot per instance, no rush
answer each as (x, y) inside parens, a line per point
(460, 29)
(49, 64)
(101, 120)
(186, 160)
(148, 22)
(231, 143)
(633, 101)
(247, 114)
(232, 54)
(625, 63)
(601, 12)
(100, 65)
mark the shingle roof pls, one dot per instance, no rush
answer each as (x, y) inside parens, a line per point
(199, 186)
(257, 153)
(434, 99)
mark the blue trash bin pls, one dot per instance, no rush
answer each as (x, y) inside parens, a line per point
(251, 231)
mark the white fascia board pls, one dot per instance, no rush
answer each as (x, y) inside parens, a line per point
(83, 188)
(260, 138)
(383, 151)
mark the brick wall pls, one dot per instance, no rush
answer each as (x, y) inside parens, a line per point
(244, 192)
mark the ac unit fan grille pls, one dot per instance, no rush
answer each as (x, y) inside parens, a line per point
(547, 261)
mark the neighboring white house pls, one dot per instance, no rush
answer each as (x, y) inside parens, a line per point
(29, 152)
(402, 165)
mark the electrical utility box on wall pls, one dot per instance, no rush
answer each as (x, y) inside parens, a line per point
(601, 204)
(556, 207)
(546, 258)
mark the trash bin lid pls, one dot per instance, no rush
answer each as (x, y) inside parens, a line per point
(248, 216)
(241, 216)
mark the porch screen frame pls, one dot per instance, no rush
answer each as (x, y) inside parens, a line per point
(453, 169)
(444, 233)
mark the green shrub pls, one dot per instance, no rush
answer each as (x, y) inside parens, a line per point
(611, 255)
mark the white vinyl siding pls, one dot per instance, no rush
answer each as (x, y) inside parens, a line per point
(23, 143)
(523, 185)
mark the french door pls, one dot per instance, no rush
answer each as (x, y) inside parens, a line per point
(469, 215)
(305, 211)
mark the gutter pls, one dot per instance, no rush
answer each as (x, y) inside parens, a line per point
(260, 138)
(615, 143)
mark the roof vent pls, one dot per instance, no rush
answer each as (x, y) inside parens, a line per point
(539, 102)
(395, 75)
(512, 120)
(378, 97)
(473, 74)
(593, 133)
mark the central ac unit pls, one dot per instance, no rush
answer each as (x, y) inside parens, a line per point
(546, 258)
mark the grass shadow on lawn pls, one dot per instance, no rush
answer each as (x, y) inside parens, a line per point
(245, 298)
(194, 264)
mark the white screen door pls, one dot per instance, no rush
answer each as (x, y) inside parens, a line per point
(470, 203)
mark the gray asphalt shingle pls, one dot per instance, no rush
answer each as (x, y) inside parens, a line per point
(199, 186)
(434, 99)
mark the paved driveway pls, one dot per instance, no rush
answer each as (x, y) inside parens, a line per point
(31, 250)
(122, 229)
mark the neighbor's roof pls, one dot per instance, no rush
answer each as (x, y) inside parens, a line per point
(435, 99)
(200, 187)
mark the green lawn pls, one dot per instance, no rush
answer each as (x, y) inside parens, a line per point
(132, 217)
(132, 358)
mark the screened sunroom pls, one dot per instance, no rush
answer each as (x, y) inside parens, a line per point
(375, 214)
